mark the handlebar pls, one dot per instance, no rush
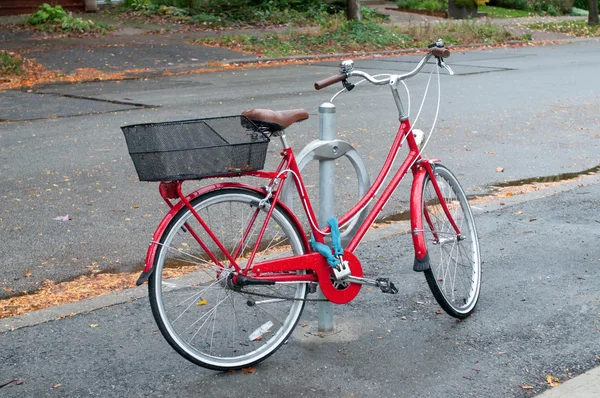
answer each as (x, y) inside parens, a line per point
(438, 52)
(329, 81)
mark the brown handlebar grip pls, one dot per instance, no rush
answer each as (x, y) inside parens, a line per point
(329, 81)
(441, 52)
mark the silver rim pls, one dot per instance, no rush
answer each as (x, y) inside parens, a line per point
(455, 260)
(202, 316)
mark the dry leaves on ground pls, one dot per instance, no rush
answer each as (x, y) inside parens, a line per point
(86, 286)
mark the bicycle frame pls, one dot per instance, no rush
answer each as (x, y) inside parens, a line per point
(318, 269)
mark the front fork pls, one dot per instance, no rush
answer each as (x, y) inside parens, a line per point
(418, 212)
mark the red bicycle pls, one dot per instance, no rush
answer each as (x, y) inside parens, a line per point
(230, 266)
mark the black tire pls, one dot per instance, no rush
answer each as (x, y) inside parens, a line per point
(454, 276)
(199, 313)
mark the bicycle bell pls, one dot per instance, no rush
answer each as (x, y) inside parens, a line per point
(346, 66)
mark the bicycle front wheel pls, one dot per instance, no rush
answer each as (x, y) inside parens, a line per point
(198, 310)
(454, 276)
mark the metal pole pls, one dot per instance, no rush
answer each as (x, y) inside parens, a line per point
(326, 199)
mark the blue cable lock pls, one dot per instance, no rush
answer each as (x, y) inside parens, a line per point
(325, 250)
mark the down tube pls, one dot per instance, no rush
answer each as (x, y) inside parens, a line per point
(413, 154)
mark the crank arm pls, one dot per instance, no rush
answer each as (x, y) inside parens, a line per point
(361, 281)
(384, 284)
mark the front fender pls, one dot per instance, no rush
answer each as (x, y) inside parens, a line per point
(162, 226)
(420, 171)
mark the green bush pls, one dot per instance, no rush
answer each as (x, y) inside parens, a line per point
(552, 7)
(429, 5)
(581, 4)
(55, 18)
(248, 12)
(46, 14)
(10, 65)
(512, 4)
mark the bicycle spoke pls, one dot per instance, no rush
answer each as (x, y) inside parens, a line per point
(211, 321)
(454, 275)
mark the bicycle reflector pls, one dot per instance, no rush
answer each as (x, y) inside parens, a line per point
(419, 135)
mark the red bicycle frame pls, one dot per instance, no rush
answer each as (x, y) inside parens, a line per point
(318, 270)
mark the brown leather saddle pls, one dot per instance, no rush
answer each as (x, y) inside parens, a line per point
(272, 121)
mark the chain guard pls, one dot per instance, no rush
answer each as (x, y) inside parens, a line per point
(340, 292)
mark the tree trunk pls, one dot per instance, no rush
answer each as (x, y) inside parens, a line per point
(353, 10)
(593, 8)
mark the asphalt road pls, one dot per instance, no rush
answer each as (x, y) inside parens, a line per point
(537, 315)
(531, 110)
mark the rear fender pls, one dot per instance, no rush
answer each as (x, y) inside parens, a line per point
(162, 226)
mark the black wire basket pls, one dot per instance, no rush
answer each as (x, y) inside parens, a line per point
(192, 149)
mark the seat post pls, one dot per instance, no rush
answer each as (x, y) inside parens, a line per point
(284, 142)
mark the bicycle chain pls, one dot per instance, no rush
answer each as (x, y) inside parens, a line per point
(281, 297)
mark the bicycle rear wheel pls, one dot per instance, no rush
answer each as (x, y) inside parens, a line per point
(199, 312)
(454, 276)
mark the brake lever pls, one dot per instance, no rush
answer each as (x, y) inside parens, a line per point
(347, 85)
(442, 64)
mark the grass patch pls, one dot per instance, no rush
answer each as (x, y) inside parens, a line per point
(578, 28)
(347, 37)
(10, 65)
(465, 32)
(55, 19)
(217, 14)
(426, 5)
(499, 12)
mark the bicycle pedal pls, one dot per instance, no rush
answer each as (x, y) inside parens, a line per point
(386, 286)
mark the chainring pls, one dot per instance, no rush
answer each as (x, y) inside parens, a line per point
(340, 292)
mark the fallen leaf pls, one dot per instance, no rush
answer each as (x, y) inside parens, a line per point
(201, 302)
(93, 325)
(259, 338)
(27, 273)
(7, 383)
(136, 206)
(519, 212)
(248, 370)
(526, 387)
(552, 381)
(500, 169)
(532, 219)
(56, 386)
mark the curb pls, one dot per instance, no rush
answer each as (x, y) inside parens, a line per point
(582, 386)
